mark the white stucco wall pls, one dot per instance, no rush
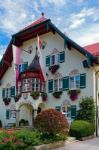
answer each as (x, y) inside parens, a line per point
(73, 60)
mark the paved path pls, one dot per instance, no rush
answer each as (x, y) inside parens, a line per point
(92, 144)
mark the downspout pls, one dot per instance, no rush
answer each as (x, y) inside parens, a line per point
(96, 81)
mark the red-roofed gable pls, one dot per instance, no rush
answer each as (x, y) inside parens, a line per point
(42, 19)
(93, 49)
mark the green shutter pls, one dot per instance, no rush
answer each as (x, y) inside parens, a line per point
(73, 111)
(66, 83)
(12, 91)
(3, 93)
(47, 60)
(83, 80)
(24, 66)
(8, 114)
(62, 57)
(50, 86)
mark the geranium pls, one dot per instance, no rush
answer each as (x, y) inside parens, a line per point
(73, 94)
(6, 101)
(54, 68)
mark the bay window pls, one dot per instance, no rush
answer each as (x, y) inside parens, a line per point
(35, 84)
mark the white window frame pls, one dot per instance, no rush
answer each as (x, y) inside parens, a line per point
(26, 85)
(56, 59)
(35, 88)
(59, 84)
(8, 92)
(66, 112)
(75, 85)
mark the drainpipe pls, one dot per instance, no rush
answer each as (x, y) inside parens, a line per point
(96, 81)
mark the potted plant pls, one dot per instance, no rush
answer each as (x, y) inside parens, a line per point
(16, 98)
(57, 94)
(35, 94)
(73, 94)
(44, 96)
(54, 68)
(6, 101)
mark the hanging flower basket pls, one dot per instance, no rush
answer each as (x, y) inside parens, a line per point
(73, 94)
(35, 95)
(6, 101)
(57, 94)
(44, 96)
(16, 98)
(54, 68)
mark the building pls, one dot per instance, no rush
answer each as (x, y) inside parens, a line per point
(71, 73)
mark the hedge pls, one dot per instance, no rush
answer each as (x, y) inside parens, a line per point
(81, 128)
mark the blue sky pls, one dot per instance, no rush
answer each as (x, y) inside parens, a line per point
(79, 19)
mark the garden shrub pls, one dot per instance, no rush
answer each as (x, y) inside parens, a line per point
(81, 128)
(51, 122)
(87, 110)
(0, 124)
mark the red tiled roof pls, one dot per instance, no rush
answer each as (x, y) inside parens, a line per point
(93, 49)
(42, 19)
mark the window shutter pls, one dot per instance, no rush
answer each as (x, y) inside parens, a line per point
(12, 91)
(73, 111)
(83, 80)
(24, 66)
(50, 86)
(47, 60)
(66, 83)
(3, 93)
(7, 114)
(62, 57)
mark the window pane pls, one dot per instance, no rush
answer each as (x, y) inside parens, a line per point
(71, 82)
(77, 81)
(52, 59)
(60, 84)
(55, 85)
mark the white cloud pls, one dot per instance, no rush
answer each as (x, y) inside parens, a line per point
(78, 19)
(55, 2)
(2, 50)
(85, 36)
(15, 15)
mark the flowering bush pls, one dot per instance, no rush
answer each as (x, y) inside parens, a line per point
(54, 68)
(6, 101)
(51, 122)
(35, 95)
(73, 94)
(57, 94)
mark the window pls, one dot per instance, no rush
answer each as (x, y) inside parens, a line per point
(54, 59)
(35, 84)
(74, 82)
(8, 114)
(7, 92)
(26, 85)
(66, 110)
(57, 85)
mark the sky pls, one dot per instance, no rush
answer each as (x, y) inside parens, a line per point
(78, 19)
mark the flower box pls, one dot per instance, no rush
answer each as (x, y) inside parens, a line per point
(44, 96)
(6, 101)
(73, 94)
(35, 95)
(54, 68)
(57, 94)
